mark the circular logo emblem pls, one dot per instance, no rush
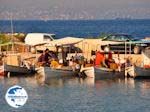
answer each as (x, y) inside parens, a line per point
(16, 96)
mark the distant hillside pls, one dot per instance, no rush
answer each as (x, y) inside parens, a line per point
(147, 38)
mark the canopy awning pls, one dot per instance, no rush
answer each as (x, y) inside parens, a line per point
(64, 41)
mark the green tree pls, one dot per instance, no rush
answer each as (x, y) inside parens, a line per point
(4, 38)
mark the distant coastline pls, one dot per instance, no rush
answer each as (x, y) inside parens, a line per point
(132, 19)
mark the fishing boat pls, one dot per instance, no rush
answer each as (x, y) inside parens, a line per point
(12, 65)
(49, 73)
(137, 71)
(11, 62)
(97, 72)
(102, 73)
(7, 70)
(143, 69)
(107, 73)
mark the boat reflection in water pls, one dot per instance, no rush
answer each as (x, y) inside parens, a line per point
(79, 94)
(61, 81)
(140, 85)
(28, 81)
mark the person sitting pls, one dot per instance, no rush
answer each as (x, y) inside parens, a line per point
(47, 56)
(43, 60)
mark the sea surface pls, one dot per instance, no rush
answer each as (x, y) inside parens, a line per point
(79, 95)
(79, 28)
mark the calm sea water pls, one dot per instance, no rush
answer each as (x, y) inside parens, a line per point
(80, 95)
(80, 28)
(74, 94)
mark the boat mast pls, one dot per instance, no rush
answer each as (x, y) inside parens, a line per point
(12, 32)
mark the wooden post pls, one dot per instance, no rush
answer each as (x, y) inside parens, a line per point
(62, 51)
(130, 47)
(0, 48)
(12, 38)
(125, 49)
(56, 50)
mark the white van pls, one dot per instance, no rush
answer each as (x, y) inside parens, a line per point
(38, 38)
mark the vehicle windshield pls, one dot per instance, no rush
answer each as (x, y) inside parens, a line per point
(120, 37)
(47, 38)
(53, 36)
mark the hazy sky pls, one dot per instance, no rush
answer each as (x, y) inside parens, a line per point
(96, 9)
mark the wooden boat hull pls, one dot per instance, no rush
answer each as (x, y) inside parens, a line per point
(14, 70)
(49, 73)
(141, 72)
(106, 73)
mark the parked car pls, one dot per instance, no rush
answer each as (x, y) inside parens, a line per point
(123, 42)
